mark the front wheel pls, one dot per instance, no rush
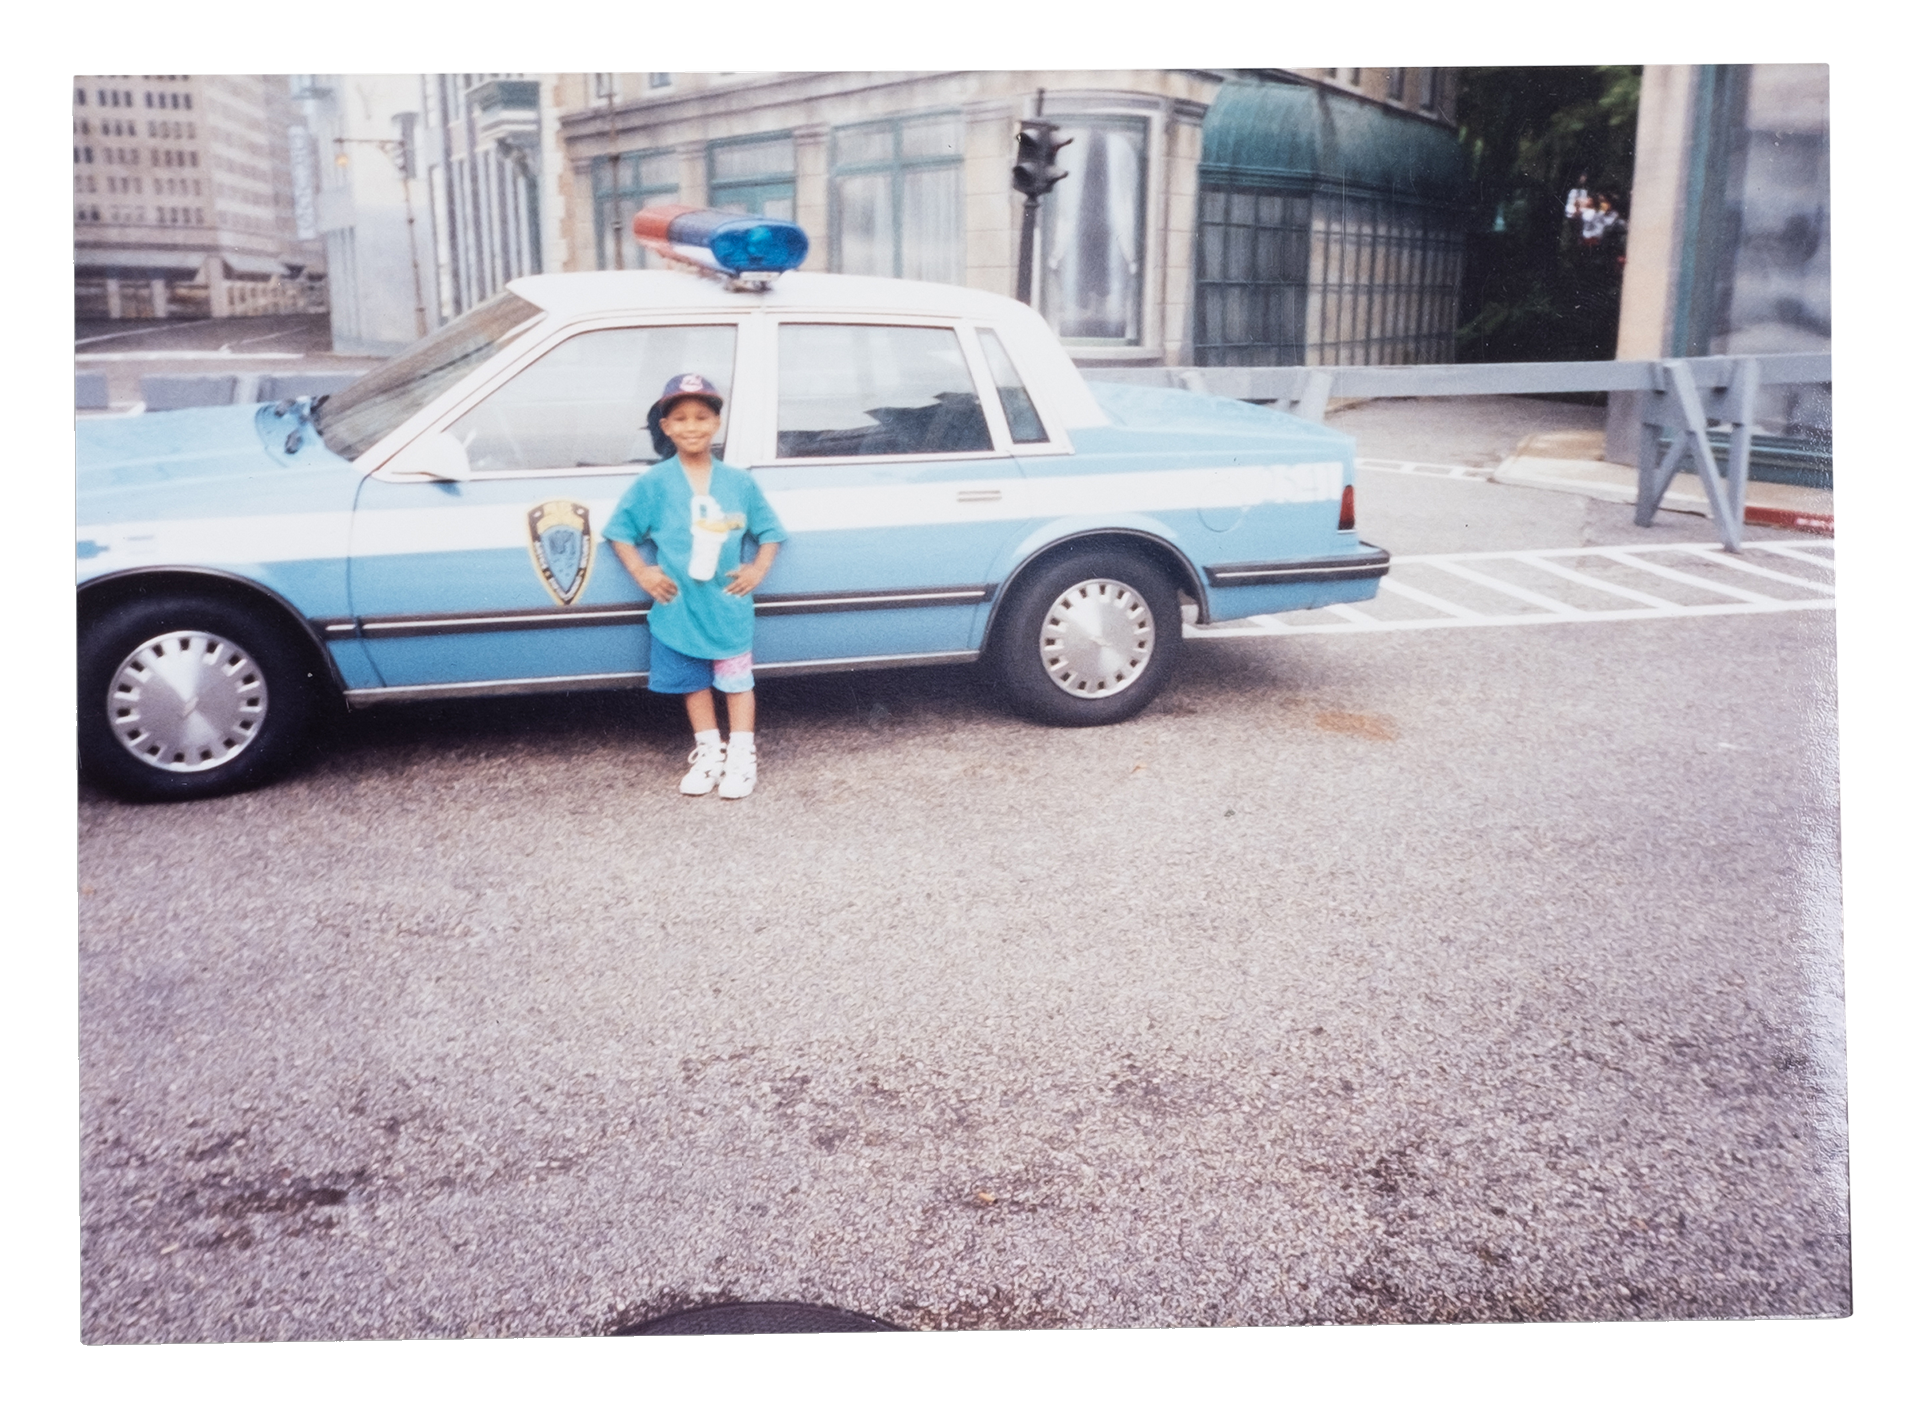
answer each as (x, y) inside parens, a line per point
(1087, 638)
(187, 697)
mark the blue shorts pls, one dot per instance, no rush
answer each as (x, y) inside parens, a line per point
(671, 672)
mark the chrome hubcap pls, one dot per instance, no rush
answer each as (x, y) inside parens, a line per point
(186, 701)
(1096, 638)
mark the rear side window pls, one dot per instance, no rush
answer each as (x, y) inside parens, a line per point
(858, 389)
(584, 404)
(1022, 418)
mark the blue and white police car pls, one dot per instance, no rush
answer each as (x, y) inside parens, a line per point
(952, 488)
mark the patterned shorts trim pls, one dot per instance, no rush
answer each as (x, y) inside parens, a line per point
(671, 672)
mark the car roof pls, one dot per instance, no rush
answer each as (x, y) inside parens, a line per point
(1034, 349)
(620, 290)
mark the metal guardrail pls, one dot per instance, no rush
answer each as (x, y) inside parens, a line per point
(1679, 395)
(162, 392)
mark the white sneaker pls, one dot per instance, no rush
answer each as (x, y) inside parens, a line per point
(704, 769)
(737, 775)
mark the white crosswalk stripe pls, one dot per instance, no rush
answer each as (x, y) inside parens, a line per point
(1629, 583)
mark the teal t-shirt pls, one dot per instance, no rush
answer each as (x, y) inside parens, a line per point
(660, 508)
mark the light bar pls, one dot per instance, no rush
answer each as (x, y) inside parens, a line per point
(720, 240)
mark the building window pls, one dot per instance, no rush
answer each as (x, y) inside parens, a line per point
(1253, 266)
(1092, 231)
(1289, 278)
(1397, 76)
(79, 97)
(1352, 76)
(753, 175)
(622, 187)
(661, 80)
(1432, 89)
(899, 209)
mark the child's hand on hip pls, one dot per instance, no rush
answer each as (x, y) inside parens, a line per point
(656, 583)
(746, 578)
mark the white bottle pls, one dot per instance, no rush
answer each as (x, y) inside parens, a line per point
(708, 531)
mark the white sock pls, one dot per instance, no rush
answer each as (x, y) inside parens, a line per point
(739, 742)
(710, 737)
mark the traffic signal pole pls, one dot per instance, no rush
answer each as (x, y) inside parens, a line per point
(1034, 174)
(1028, 228)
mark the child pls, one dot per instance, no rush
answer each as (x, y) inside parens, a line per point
(694, 509)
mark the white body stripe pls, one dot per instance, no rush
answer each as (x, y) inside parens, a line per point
(393, 532)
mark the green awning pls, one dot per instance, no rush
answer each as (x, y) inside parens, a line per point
(1296, 137)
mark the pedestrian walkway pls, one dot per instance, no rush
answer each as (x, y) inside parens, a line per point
(1547, 586)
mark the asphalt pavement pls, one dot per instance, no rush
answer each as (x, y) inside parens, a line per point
(1476, 974)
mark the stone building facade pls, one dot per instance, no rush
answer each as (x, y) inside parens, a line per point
(185, 198)
(1307, 246)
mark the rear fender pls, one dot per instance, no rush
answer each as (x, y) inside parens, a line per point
(1139, 533)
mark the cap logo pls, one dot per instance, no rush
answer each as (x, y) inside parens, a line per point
(691, 382)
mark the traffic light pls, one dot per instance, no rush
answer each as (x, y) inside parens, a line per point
(1034, 173)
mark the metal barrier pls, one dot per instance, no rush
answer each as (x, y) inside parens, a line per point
(176, 393)
(1678, 395)
(89, 391)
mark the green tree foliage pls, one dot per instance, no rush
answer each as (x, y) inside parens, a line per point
(1532, 290)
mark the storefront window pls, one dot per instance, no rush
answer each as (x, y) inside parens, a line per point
(1092, 232)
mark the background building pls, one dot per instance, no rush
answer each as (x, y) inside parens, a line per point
(1264, 216)
(431, 195)
(1729, 247)
(185, 199)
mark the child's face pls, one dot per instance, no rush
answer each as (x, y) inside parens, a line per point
(691, 424)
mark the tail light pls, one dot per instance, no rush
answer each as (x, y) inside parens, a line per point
(1347, 515)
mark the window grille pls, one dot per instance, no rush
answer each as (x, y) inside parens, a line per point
(1288, 280)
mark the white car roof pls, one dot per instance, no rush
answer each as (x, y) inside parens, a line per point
(1056, 382)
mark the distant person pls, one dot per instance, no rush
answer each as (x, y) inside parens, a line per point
(1600, 220)
(1576, 207)
(694, 510)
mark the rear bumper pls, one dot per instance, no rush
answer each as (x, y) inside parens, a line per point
(1366, 564)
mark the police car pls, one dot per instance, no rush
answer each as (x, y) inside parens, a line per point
(952, 488)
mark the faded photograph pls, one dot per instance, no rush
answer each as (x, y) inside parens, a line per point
(1256, 728)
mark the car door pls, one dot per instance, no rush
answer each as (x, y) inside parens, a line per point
(503, 576)
(890, 465)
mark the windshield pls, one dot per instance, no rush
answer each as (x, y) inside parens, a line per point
(370, 408)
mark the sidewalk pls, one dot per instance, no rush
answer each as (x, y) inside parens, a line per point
(1571, 460)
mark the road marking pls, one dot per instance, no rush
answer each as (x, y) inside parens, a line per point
(1473, 568)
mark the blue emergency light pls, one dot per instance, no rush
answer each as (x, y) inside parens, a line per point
(745, 246)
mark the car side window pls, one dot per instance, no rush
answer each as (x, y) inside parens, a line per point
(866, 389)
(584, 404)
(1022, 417)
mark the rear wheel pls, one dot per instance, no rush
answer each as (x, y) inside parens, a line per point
(187, 697)
(1089, 637)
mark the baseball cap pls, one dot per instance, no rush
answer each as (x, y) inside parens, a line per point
(687, 384)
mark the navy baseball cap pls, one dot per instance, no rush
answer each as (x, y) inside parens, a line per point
(687, 384)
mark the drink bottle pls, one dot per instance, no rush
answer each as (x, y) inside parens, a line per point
(709, 527)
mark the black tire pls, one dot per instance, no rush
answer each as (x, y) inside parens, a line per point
(1049, 607)
(251, 706)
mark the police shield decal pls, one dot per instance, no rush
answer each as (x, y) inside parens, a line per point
(560, 546)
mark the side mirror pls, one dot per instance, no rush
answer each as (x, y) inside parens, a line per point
(438, 455)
